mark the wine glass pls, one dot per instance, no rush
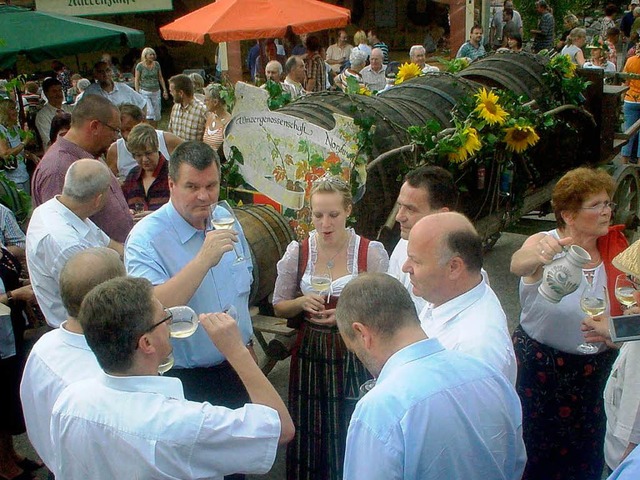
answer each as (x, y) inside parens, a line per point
(593, 302)
(367, 386)
(166, 365)
(321, 284)
(624, 290)
(223, 218)
(184, 321)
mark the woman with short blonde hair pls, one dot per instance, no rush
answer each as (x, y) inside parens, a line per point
(148, 81)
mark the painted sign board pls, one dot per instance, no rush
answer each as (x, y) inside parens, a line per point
(102, 7)
(281, 155)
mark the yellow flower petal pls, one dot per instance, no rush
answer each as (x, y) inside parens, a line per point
(488, 108)
(471, 144)
(520, 137)
(407, 71)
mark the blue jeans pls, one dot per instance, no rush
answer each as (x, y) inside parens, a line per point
(631, 112)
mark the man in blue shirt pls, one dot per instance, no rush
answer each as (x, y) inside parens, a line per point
(473, 48)
(433, 413)
(190, 264)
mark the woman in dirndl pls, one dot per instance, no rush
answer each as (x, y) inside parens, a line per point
(325, 377)
(560, 388)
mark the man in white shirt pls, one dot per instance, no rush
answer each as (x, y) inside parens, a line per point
(373, 75)
(433, 413)
(425, 191)
(444, 262)
(116, 92)
(296, 75)
(132, 423)
(338, 53)
(52, 89)
(418, 55)
(62, 356)
(61, 227)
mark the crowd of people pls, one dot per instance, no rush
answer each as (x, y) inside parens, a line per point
(396, 356)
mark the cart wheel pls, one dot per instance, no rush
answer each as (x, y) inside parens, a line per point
(626, 196)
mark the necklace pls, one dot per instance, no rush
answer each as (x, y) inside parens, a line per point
(330, 264)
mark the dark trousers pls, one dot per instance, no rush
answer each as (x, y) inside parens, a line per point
(218, 385)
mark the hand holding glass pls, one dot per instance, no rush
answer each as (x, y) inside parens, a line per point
(593, 302)
(321, 284)
(223, 218)
(625, 289)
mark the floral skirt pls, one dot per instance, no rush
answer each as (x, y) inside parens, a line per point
(323, 391)
(562, 408)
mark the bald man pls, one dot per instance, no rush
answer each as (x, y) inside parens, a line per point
(62, 356)
(444, 262)
(61, 227)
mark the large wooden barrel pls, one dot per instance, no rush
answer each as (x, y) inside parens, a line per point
(417, 101)
(268, 234)
(520, 73)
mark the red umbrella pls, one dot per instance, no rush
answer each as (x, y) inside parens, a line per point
(229, 20)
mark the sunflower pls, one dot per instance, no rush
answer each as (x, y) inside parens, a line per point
(407, 71)
(365, 91)
(488, 108)
(520, 137)
(470, 145)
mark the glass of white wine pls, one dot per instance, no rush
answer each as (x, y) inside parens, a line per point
(625, 289)
(184, 321)
(223, 218)
(166, 365)
(593, 302)
(321, 284)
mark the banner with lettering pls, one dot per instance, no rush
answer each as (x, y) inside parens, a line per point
(102, 7)
(280, 155)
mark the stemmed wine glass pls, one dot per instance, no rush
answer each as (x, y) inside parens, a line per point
(593, 302)
(223, 218)
(625, 288)
(166, 365)
(321, 284)
(183, 322)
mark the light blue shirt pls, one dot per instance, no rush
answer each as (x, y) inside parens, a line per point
(436, 414)
(160, 246)
(629, 469)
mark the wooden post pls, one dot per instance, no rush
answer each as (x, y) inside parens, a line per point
(234, 62)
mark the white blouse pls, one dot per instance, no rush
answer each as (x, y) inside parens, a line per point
(286, 282)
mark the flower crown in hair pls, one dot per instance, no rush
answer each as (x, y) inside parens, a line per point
(331, 180)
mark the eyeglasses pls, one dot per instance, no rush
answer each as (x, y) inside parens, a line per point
(115, 130)
(600, 206)
(168, 318)
(140, 156)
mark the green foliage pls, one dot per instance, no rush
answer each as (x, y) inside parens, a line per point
(230, 172)
(530, 17)
(15, 200)
(228, 95)
(277, 96)
(454, 65)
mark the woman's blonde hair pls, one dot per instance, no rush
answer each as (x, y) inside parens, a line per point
(146, 51)
(360, 37)
(333, 184)
(575, 34)
(141, 137)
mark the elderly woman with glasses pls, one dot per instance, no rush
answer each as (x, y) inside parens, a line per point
(146, 187)
(325, 377)
(560, 388)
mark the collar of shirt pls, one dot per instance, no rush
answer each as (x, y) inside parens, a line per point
(72, 339)
(410, 353)
(187, 106)
(72, 149)
(156, 172)
(167, 386)
(448, 311)
(76, 222)
(184, 229)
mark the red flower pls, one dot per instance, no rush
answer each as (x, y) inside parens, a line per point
(542, 377)
(560, 361)
(588, 370)
(564, 412)
(539, 355)
(527, 392)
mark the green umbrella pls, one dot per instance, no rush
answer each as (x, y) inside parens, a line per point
(41, 36)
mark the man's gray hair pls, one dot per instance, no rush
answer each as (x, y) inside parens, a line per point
(82, 182)
(277, 64)
(378, 301)
(357, 57)
(415, 48)
(291, 63)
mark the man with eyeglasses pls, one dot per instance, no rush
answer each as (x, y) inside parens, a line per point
(116, 92)
(95, 125)
(189, 263)
(60, 227)
(444, 262)
(131, 423)
(62, 356)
